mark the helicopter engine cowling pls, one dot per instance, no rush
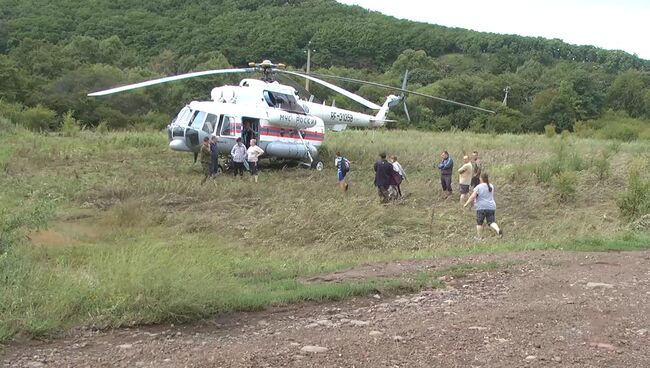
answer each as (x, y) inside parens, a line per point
(290, 150)
(290, 120)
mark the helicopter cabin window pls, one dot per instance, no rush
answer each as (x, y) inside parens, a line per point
(197, 119)
(210, 123)
(283, 101)
(227, 127)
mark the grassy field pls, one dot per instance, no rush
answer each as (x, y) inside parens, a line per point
(115, 229)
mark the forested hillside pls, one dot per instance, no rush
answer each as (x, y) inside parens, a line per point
(53, 53)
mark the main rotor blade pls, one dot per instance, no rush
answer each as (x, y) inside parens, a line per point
(169, 79)
(406, 111)
(338, 89)
(406, 78)
(404, 91)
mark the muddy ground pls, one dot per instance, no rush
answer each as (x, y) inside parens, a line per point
(537, 309)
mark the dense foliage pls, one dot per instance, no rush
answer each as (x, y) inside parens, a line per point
(53, 53)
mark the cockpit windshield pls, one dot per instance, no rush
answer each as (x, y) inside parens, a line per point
(283, 101)
(183, 117)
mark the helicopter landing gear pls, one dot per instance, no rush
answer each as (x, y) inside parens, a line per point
(317, 165)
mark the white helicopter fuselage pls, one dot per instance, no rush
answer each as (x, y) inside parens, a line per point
(284, 126)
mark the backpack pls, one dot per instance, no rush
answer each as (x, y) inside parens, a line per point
(344, 165)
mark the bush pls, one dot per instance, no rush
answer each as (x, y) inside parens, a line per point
(565, 185)
(601, 166)
(11, 111)
(549, 130)
(102, 127)
(634, 202)
(565, 134)
(70, 127)
(38, 118)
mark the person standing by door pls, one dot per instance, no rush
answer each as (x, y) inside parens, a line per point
(253, 154)
(238, 153)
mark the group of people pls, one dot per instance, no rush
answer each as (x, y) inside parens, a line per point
(389, 174)
(471, 176)
(242, 157)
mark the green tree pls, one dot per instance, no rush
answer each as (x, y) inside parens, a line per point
(628, 92)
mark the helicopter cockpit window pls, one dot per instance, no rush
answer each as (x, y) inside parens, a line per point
(282, 101)
(183, 117)
(227, 126)
(210, 123)
(197, 119)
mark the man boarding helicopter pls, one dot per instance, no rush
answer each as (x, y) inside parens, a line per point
(284, 126)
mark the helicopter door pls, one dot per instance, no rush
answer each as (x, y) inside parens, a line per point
(250, 130)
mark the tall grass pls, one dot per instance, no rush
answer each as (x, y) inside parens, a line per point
(142, 241)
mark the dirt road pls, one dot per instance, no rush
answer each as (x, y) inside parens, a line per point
(556, 309)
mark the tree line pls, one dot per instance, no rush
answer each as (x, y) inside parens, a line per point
(53, 53)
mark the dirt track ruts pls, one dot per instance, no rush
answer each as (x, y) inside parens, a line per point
(558, 309)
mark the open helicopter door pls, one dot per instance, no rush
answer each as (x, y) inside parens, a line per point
(250, 129)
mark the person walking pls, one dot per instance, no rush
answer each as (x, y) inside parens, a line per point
(476, 169)
(206, 159)
(398, 175)
(342, 165)
(383, 171)
(253, 154)
(214, 156)
(446, 167)
(464, 179)
(238, 153)
(485, 206)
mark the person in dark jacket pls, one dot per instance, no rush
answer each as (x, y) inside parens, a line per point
(383, 172)
(214, 156)
(446, 167)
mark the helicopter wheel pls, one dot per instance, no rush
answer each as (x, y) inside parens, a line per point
(317, 165)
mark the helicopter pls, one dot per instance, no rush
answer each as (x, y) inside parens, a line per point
(284, 125)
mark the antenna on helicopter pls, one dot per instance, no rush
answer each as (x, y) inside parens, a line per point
(505, 98)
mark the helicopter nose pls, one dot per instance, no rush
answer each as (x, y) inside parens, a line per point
(179, 145)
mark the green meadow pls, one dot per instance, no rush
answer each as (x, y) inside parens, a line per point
(114, 229)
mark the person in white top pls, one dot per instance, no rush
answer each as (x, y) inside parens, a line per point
(399, 175)
(253, 153)
(238, 153)
(465, 178)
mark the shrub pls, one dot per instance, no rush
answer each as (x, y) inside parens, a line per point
(11, 111)
(583, 129)
(565, 185)
(601, 166)
(38, 118)
(565, 134)
(549, 130)
(635, 200)
(102, 127)
(70, 127)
